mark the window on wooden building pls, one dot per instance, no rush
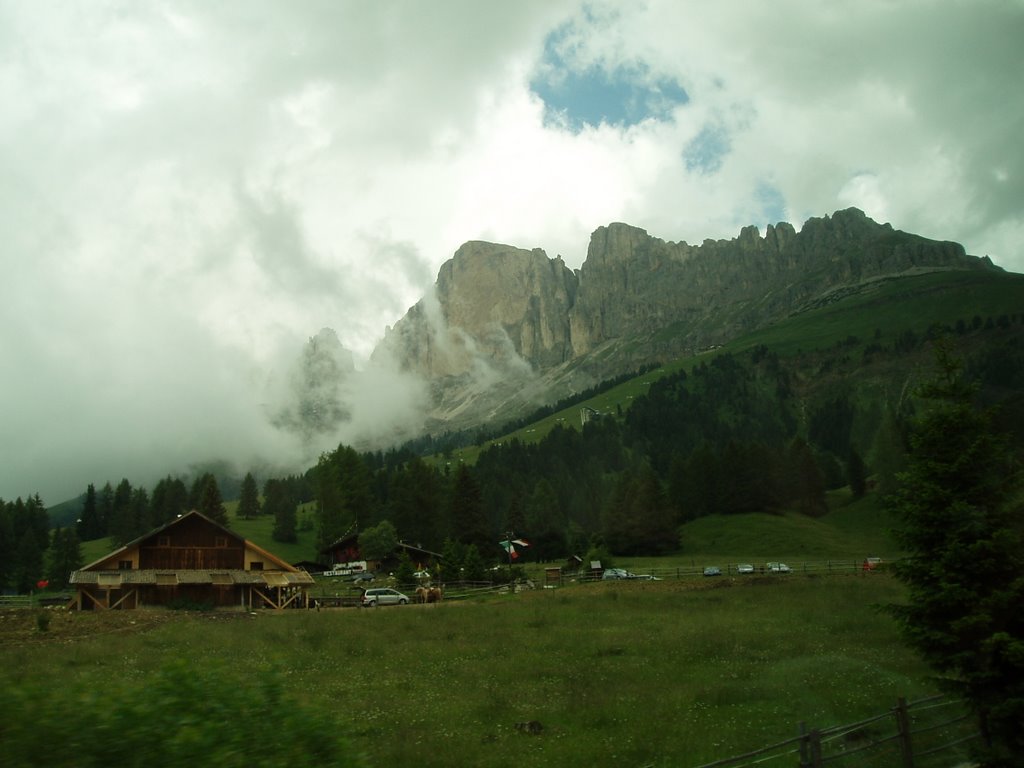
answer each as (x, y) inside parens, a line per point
(220, 541)
(124, 565)
(163, 541)
(256, 565)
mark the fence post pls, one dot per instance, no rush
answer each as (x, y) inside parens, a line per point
(810, 747)
(816, 761)
(903, 730)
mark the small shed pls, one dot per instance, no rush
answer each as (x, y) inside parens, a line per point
(191, 559)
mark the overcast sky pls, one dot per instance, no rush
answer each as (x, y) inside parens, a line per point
(190, 190)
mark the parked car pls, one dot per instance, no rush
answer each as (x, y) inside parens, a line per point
(778, 567)
(872, 563)
(712, 570)
(616, 574)
(360, 577)
(744, 568)
(383, 596)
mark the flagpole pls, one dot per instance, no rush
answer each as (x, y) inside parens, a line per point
(509, 540)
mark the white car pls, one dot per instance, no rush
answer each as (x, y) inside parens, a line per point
(777, 567)
(383, 596)
(744, 568)
(617, 574)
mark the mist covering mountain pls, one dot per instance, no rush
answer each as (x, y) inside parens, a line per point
(507, 329)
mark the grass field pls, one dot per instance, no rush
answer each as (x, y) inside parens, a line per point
(641, 673)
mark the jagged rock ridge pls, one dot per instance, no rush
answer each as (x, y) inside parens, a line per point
(508, 327)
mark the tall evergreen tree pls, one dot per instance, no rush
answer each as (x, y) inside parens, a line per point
(170, 499)
(808, 489)
(356, 486)
(38, 520)
(28, 562)
(65, 557)
(856, 474)
(249, 498)
(467, 512)
(89, 525)
(210, 502)
(962, 526)
(280, 503)
(104, 507)
(8, 544)
(123, 524)
(332, 510)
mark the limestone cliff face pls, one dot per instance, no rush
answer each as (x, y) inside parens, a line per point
(507, 325)
(493, 303)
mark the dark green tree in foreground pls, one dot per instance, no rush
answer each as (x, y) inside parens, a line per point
(961, 525)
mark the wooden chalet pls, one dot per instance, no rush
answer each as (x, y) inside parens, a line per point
(191, 559)
(346, 550)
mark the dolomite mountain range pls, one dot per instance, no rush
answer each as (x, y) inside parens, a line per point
(507, 329)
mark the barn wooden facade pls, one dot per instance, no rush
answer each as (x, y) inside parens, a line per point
(191, 560)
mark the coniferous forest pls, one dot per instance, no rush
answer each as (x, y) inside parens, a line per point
(727, 433)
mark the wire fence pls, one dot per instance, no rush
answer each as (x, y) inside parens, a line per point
(707, 570)
(928, 733)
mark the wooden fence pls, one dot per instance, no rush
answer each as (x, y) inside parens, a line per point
(928, 733)
(33, 601)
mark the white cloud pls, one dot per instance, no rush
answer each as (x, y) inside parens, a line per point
(188, 190)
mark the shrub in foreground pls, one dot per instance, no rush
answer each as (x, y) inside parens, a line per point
(179, 716)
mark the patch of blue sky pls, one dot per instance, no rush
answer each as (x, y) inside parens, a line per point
(773, 204)
(706, 152)
(623, 96)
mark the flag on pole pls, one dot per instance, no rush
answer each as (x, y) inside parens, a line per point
(509, 546)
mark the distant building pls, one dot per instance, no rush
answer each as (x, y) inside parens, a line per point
(346, 550)
(190, 560)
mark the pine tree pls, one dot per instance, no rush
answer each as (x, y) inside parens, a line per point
(332, 510)
(279, 503)
(249, 498)
(28, 562)
(856, 474)
(210, 502)
(8, 544)
(65, 557)
(122, 525)
(89, 524)
(170, 499)
(104, 508)
(467, 511)
(961, 526)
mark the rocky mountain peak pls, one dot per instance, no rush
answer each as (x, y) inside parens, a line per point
(502, 317)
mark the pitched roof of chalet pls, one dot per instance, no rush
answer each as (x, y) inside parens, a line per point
(345, 538)
(354, 538)
(277, 562)
(213, 576)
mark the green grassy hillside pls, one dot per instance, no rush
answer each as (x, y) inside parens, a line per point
(876, 312)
